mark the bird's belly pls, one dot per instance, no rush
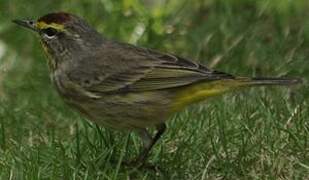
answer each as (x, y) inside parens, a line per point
(132, 110)
(125, 111)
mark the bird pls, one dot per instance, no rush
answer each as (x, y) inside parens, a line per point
(125, 87)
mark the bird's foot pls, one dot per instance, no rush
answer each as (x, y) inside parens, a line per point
(141, 165)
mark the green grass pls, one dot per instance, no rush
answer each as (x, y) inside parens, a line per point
(261, 133)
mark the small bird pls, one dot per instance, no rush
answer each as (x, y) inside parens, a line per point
(125, 87)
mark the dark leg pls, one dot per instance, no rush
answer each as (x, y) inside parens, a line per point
(149, 142)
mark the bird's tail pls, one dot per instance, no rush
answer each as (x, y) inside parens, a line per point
(265, 81)
(202, 90)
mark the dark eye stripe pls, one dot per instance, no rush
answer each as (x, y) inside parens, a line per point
(49, 31)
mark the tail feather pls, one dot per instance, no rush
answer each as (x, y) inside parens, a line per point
(257, 81)
(203, 90)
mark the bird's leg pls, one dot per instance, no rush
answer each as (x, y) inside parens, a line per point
(149, 142)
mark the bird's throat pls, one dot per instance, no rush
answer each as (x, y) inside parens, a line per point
(51, 61)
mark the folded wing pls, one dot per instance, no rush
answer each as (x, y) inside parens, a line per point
(126, 68)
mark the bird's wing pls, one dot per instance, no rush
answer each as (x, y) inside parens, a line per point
(129, 69)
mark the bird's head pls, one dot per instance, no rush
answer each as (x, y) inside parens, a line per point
(63, 35)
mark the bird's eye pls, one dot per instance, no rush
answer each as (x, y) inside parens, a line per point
(50, 32)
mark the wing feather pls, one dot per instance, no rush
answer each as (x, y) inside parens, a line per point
(132, 69)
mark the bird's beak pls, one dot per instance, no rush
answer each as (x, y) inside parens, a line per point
(26, 23)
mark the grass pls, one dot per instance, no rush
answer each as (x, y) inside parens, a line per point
(261, 133)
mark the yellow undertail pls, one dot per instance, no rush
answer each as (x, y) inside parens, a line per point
(200, 91)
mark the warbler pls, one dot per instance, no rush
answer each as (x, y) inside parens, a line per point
(122, 86)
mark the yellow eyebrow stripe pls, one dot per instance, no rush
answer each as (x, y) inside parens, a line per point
(43, 25)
